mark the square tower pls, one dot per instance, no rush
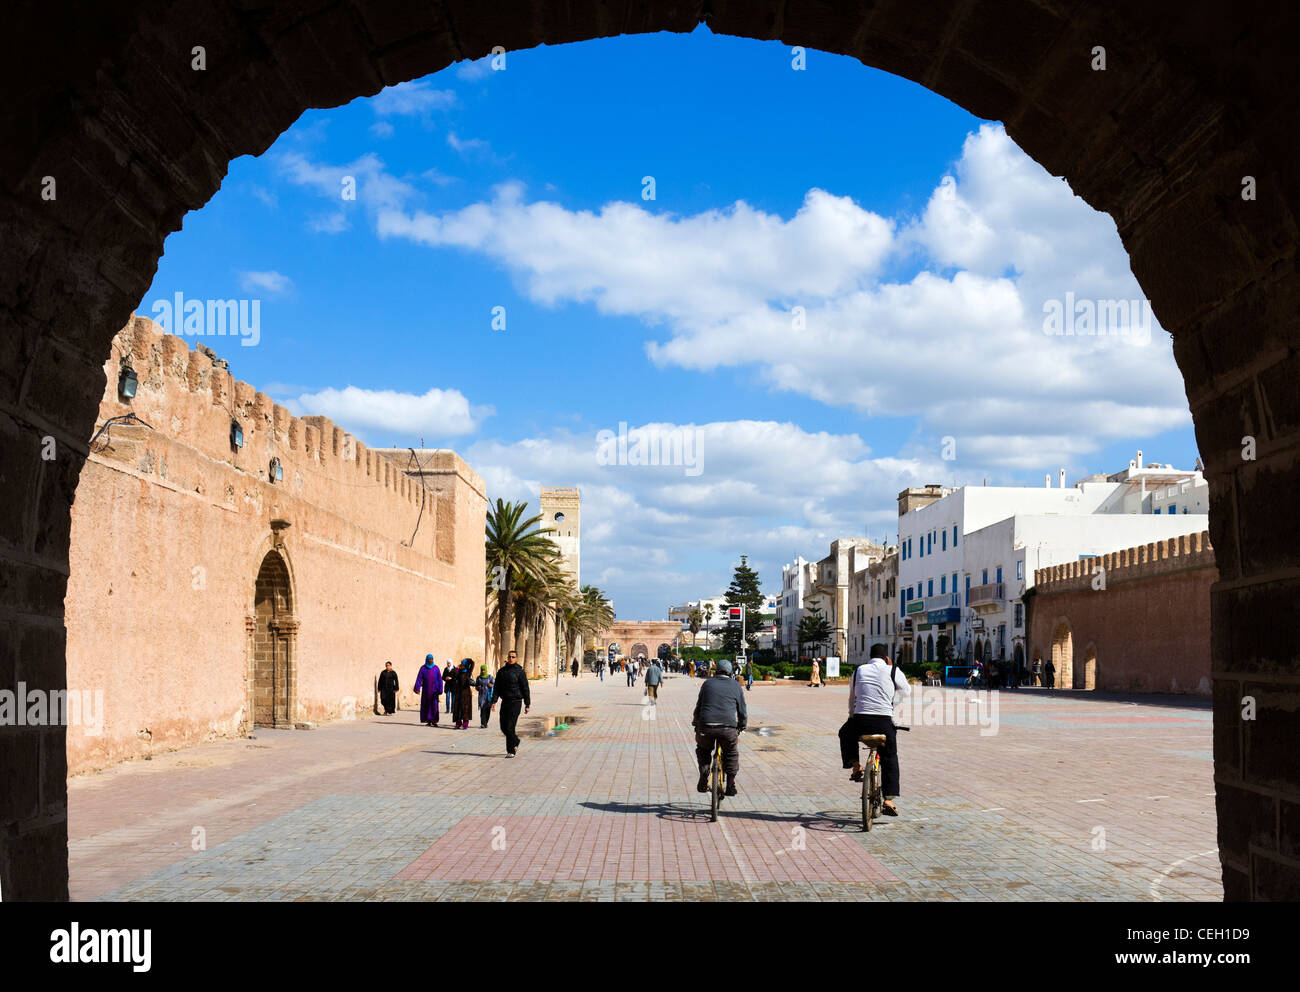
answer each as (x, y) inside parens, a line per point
(562, 514)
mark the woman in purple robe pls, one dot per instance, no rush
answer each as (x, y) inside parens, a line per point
(429, 685)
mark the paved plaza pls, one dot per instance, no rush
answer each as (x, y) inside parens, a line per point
(1075, 797)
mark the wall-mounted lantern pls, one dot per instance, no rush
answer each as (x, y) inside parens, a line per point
(276, 471)
(127, 380)
(236, 435)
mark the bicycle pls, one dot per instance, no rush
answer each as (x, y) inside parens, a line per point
(716, 792)
(872, 801)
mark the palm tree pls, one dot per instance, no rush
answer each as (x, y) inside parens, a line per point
(708, 620)
(518, 552)
(593, 613)
(693, 623)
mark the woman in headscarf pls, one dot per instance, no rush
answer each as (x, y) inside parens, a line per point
(462, 701)
(429, 685)
(484, 686)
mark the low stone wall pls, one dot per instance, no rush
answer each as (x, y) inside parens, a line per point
(1138, 619)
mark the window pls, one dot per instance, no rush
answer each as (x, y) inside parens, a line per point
(1018, 615)
(968, 590)
(954, 535)
(954, 583)
(999, 578)
(985, 580)
(1173, 508)
(943, 585)
(1020, 569)
(944, 546)
(930, 591)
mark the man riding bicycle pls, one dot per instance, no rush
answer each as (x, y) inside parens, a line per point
(719, 717)
(871, 711)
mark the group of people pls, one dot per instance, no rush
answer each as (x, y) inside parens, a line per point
(993, 674)
(720, 714)
(455, 685)
(720, 717)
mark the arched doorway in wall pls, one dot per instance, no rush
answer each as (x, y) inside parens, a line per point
(1018, 663)
(1063, 655)
(663, 651)
(1086, 674)
(929, 647)
(273, 635)
(639, 650)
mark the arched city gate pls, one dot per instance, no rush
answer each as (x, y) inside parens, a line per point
(1186, 137)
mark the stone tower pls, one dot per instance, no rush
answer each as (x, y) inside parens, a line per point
(562, 513)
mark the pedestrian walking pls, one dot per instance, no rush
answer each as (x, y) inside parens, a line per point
(602, 669)
(816, 674)
(654, 677)
(749, 677)
(575, 668)
(428, 683)
(1038, 671)
(1049, 672)
(448, 683)
(631, 674)
(484, 686)
(511, 691)
(388, 688)
(462, 699)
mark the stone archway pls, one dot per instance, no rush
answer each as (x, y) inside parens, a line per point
(1063, 655)
(1086, 675)
(273, 657)
(663, 651)
(639, 650)
(1185, 139)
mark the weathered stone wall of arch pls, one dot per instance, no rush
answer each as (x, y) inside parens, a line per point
(1195, 97)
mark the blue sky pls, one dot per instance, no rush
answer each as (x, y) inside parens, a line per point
(775, 189)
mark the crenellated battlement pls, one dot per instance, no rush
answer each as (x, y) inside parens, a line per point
(190, 396)
(1177, 554)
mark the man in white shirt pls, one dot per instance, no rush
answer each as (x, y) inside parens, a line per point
(872, 692)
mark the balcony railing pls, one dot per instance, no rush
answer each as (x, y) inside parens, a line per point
(993, 592)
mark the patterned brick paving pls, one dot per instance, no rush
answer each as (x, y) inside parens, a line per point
(1073, 797)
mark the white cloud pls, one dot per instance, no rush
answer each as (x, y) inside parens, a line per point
(412, 98)
(464, 145)
(382, 129)
(390, 417)
(334, 223)
(767, 489)
(475, 69)
(270, 281)
(375, 188)
(958, 345)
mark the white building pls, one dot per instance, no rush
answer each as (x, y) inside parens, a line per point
(796, 579)
(873, 608)
(967, 555)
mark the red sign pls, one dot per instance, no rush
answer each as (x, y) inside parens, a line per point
(733, 612)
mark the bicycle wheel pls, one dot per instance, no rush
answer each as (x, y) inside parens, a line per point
(877, 799)
(866, 795)
(715, 785)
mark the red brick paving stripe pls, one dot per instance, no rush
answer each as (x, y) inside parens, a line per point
(543, 848)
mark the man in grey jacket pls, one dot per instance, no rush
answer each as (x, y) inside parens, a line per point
(720, 716)
(654, 677)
